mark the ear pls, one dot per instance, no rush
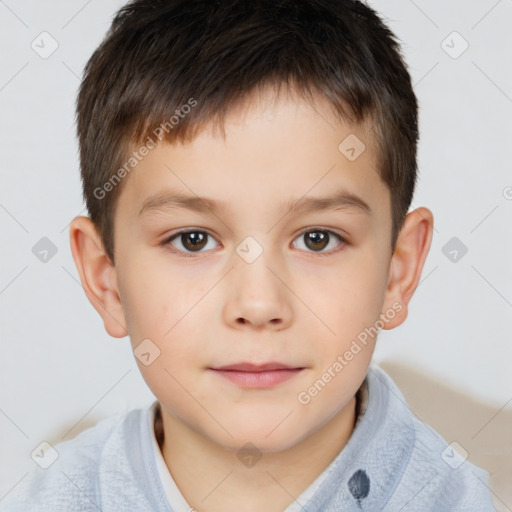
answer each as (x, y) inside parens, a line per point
(413, 244)
(97, 274)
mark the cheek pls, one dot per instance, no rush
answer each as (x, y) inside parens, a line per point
(164, 307)
(166, 316)
(154, 299)
(352, 300)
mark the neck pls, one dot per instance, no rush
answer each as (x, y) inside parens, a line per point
(211, 478)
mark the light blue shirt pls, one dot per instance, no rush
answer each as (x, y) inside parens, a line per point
(392, 462)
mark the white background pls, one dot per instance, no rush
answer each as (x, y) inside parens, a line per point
(60, 372)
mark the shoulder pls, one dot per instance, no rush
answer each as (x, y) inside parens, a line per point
(447, 474)
(72, 476)
(434, 476)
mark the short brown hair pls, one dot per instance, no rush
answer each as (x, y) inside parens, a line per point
(160, 54)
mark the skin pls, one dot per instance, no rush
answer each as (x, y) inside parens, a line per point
(298, 304)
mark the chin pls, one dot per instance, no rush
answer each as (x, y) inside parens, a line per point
(259, 440)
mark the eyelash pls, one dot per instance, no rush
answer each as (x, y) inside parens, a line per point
(167, 241)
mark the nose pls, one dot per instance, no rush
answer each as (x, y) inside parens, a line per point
(258, 297)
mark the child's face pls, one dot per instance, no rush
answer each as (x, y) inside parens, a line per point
(301, 302)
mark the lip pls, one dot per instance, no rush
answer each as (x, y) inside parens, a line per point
(254, 376)
(251, 367)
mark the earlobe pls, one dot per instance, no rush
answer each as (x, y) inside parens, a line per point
(407, 262)
(97, 274)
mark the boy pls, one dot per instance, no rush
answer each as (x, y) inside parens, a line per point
(248, 168)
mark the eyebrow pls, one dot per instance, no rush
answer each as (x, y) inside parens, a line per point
(163, 201)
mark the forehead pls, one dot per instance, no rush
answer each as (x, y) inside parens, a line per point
(273, 150)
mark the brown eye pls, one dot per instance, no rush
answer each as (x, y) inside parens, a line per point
(316, 240)
(190, 241)
(194, 240)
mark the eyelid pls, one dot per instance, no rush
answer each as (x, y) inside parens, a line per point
(323, 228)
